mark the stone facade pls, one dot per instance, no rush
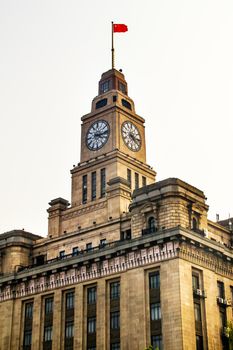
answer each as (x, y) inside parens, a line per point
(130, 262)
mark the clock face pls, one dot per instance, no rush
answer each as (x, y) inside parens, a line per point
(131, 136)
(97, 135)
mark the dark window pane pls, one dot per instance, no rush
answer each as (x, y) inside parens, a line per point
(101, 103)
(105, 86)
(27, 338)
(126, 104)
(221, 291)
(195, 281)
(102, 182)
(155, 312)
(93, 186)
(115, 320)
(75, 251)
(136, 181)
(143, 181)
(152, 226)
(69, 331)
(156, 341)
(154, 280)
(115, 346)
(115, 290)
(48, 333)
(84, 189)
(89, 246)
(69, 300)
(129, 177)
(48, 305)
(91, 325)
(197, 312)
(199, 342)
(28, 311)
(91, 295)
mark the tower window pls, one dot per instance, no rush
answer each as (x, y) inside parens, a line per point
(151, 224)
(126, 104)
(84, 189)
(101, 103)
(102, 182)
(122, 87)
(105, 86)
(143, 181)
(129, 178)
(93, 186)
(136, 181)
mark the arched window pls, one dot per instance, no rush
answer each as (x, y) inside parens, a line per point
(151, 224)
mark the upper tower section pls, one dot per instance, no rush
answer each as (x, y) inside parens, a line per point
(113, 124)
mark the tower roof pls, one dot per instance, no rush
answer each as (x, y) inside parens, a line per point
(113, 80)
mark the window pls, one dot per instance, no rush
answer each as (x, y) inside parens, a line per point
(151, 224)
(93, 186)
(62, 254)
(69, 300)
(103, 242)
(194, 224)
(136, 181)
(156, 341)
(115, 346)
(126, 104)
(75, 251)
(195, 282)
(91, 325)
(154, 280)
(69, 330)
(48, 333)
(223, 318)
(48, 305)
(89, 246)
(155, 312)
(101, 103)
(105, 86)
(84, 189)
(129, 179)
(91, 295)
(102, 182)
(199, 342)
(143, 181)
(114, 290)
(27, 338)
(197, 312)
(115, 320)
(221, 291)
(122, 87)
(91, 348)
(28, 311)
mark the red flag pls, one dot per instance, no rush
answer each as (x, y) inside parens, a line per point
(119, 28)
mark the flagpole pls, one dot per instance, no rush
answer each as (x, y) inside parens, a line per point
(113, 56)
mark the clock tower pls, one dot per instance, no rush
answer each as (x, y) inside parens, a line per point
(112, 161)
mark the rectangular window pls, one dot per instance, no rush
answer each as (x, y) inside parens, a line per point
(62, 254)
(84, 189)
(129, 177)
(93, 186)
(143, 181)
(48, 333)
(105, 86)
(154, 280)
(102, 182)
(223, 318)
(48, 305)
(27, 338)
(156, 342)
(221, 291)
(115, 346)
(199, 342)
(69, 300)
(91, 325)
(115, 320)
(89, 246)
(195, 282)
(75, 251)
(69, 329)
(197, 312)
(91, 295)
(103, 242)
(28, 311)
(114, 290)
(136, 181)
(155, 312)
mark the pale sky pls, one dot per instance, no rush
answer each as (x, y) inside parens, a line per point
(177, 58)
